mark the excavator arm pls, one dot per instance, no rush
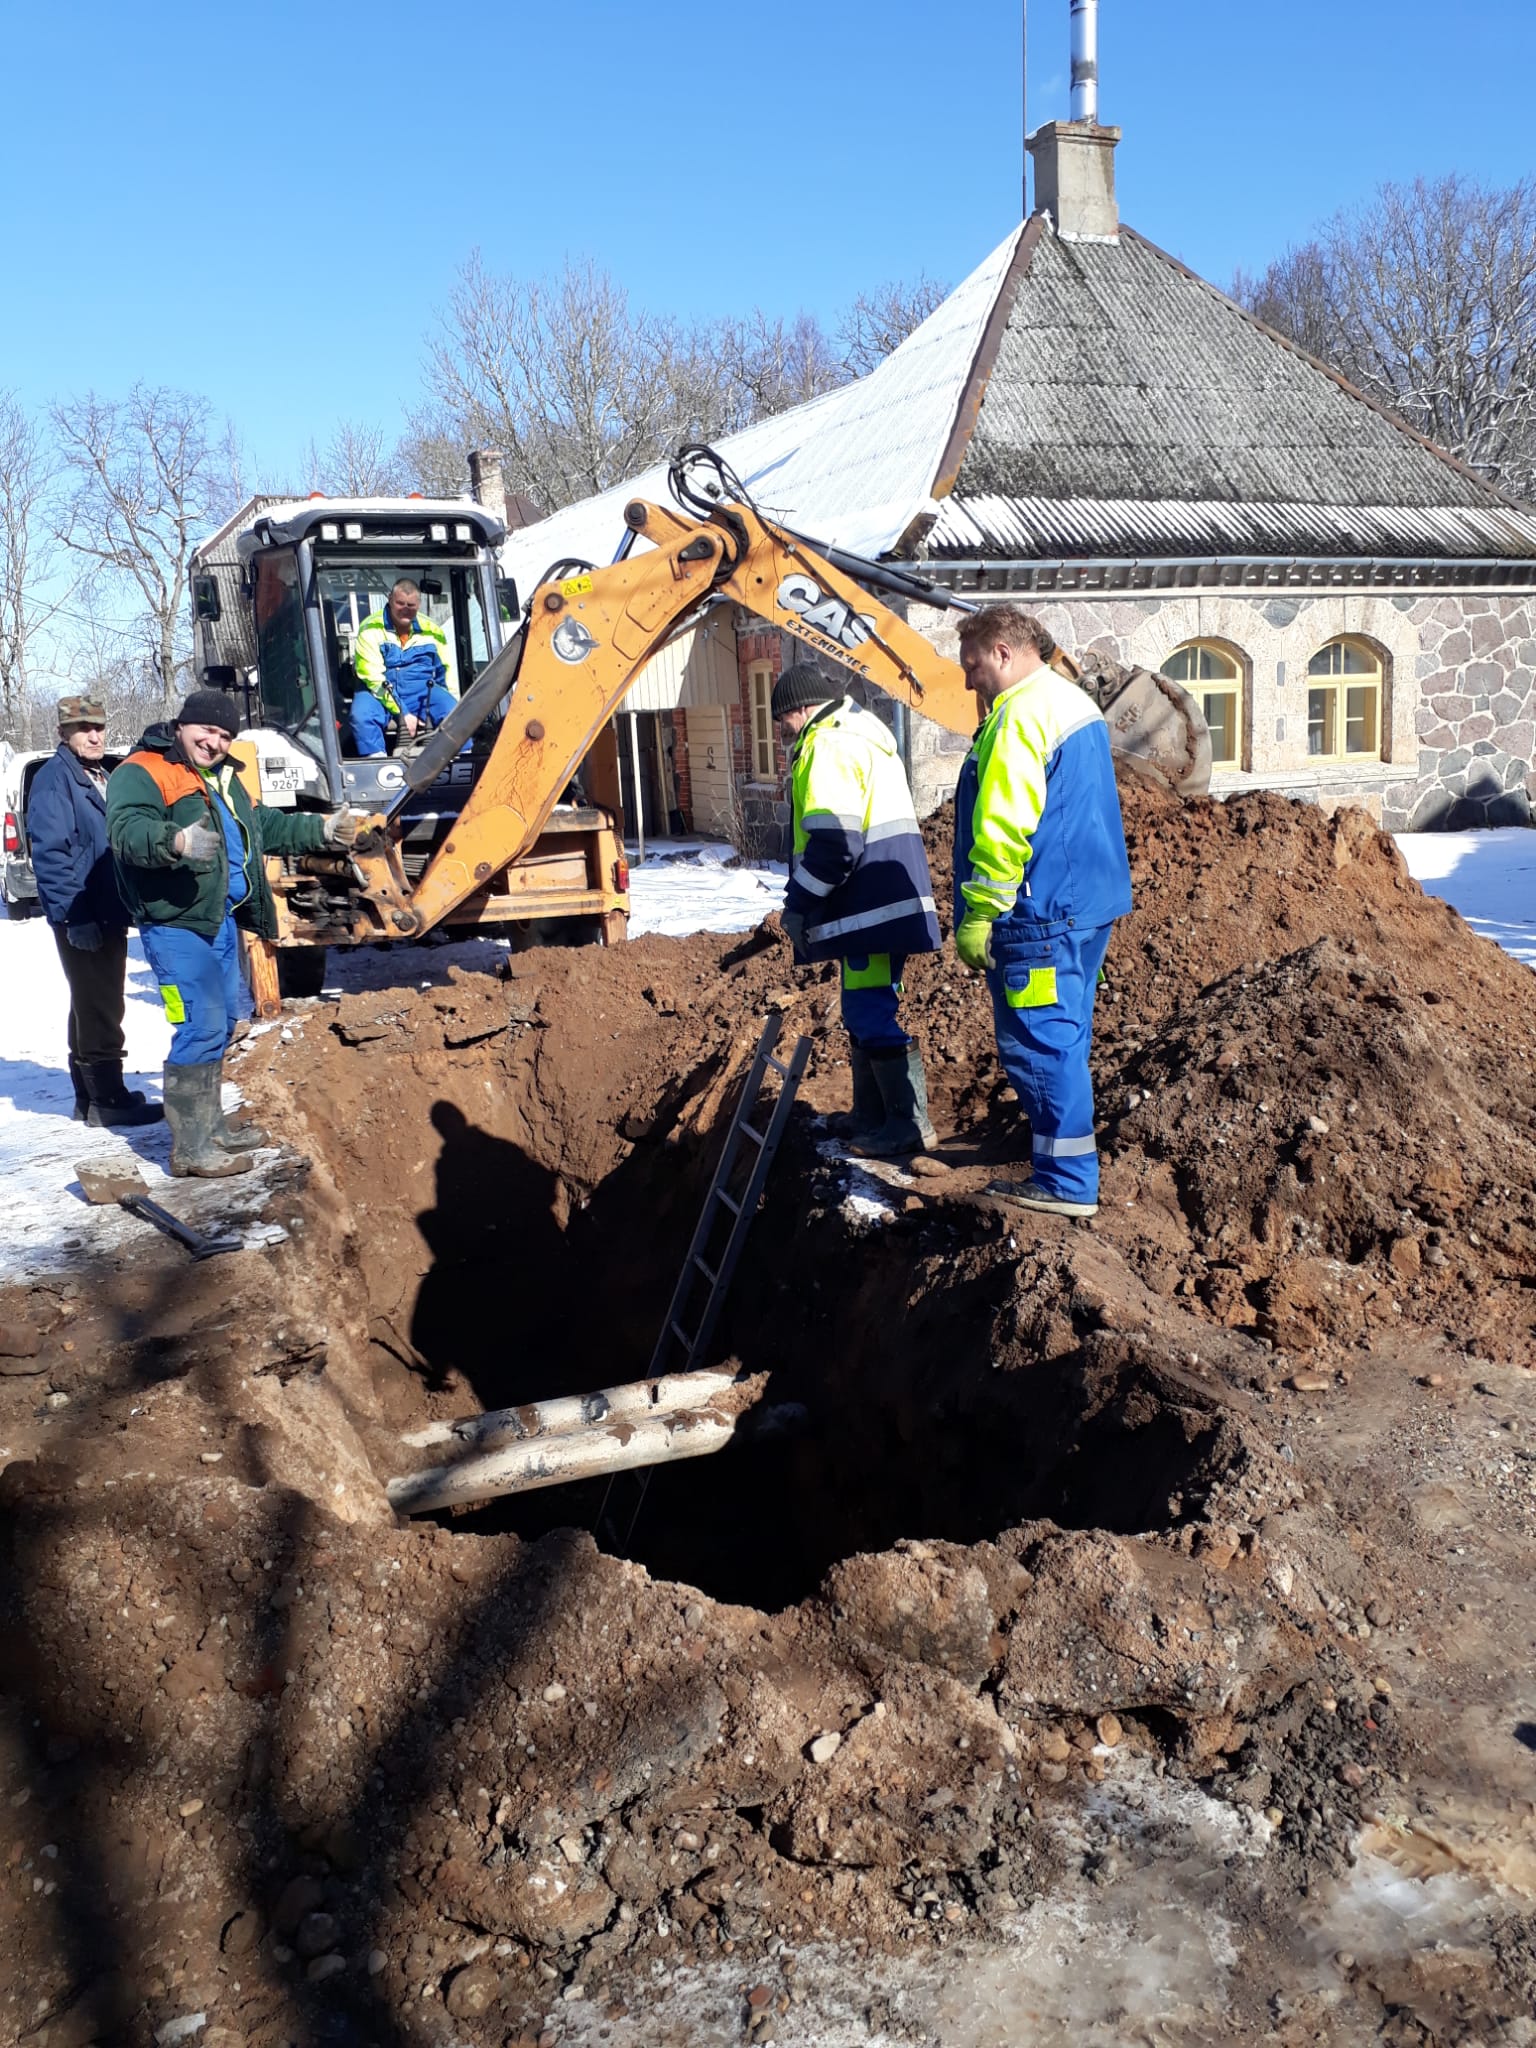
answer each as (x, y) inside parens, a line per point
(588, 635)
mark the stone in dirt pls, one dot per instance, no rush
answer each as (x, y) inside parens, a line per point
(472, 1991)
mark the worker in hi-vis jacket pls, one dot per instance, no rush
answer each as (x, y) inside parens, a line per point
(860, 893)
(1041, 874)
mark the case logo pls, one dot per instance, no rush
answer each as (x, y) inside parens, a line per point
(827, 614)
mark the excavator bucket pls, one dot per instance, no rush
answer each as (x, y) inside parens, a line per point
(1155, 726)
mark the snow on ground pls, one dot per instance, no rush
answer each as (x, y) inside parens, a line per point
(1490, 877)
(690, 888)
(46, 1224)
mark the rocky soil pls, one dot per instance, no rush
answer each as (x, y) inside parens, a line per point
(1097, 1633)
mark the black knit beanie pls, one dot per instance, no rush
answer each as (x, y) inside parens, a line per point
(802, 685)
(210, 707)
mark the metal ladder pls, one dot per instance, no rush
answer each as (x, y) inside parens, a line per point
(741, 1207)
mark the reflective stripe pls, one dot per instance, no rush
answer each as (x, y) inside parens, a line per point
(876, 974)
(887, 914)
(804, 879)
(1092, 716)
(175, 1008)
(893, 828)
(1038, 993)
(819, 821)
(1065, 1148)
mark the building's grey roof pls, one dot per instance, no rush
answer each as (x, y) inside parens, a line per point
(991, 528)
(1129, 408)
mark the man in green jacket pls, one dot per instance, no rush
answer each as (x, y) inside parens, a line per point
(188, 844)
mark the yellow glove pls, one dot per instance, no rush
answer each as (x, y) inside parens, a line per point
(973, 941)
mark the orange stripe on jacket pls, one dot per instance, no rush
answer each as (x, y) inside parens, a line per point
(171, 778)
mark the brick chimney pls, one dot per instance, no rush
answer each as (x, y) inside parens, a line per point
(1075, 179)
(487, 484)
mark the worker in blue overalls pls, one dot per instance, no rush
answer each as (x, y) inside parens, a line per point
(1041, 874)
(402, 666)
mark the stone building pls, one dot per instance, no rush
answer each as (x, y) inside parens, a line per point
(1088, 428)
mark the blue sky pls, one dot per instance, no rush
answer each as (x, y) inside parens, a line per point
(268, 203)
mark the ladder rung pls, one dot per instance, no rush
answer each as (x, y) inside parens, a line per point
(709, 1274)
(778, 1066)
(733, 1206)
(679, 1332)
(747, 1131)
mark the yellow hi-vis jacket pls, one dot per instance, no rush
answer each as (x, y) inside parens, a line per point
(859, 876)
(401, 676)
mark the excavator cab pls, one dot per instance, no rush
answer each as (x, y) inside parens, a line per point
(278, 608)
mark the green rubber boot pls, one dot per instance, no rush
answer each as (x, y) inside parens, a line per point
(854, 1127)
(193, 1113)
(904, 1093)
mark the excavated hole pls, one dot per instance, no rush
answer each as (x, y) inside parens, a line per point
(885, 1415)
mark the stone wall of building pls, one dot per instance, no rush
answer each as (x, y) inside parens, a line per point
(1458, 713)
(1458, 710)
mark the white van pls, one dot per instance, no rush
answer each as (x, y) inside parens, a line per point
(18, 886)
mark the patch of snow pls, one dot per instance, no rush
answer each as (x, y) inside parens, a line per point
(692, 888)
(1490, 877)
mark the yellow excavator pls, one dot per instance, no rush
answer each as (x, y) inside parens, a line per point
(583, 636)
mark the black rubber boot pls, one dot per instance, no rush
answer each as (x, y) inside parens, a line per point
(112, 1106)
(82, 1093)
(1026, 1194)
(904, 1092)
(193, 1113)
(868, 1112)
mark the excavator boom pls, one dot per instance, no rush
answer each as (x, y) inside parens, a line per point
(588, 635)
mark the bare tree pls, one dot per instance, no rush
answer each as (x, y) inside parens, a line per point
(879, 321)
(27, 555)
(147, 483)
(1426, 299)
(580, 391)
(431, 457)
(357, 463)
(576, 389)
(109, 659)
(766, 366)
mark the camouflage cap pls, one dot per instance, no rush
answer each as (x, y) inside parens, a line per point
(84, 710)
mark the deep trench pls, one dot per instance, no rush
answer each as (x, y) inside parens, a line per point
(886, 1415)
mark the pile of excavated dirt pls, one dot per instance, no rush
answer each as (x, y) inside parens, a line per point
(1159, 1576)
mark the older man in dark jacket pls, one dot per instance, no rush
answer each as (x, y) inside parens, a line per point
(77, 886)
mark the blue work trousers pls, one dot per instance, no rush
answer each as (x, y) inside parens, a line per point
(368, 718)
(201, 985)
(1042, 1007)
(871, 993)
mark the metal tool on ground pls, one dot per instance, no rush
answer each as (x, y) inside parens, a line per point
(578, 1436)
(125, 1187)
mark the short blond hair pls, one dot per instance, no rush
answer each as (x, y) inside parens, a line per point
(1009, 624)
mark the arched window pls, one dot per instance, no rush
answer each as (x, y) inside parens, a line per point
(1343, 701)
(1214, 679)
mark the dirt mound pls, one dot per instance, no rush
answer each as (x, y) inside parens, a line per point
(1037, 1527)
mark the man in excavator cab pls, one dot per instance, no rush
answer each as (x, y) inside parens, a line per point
(401, 661)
